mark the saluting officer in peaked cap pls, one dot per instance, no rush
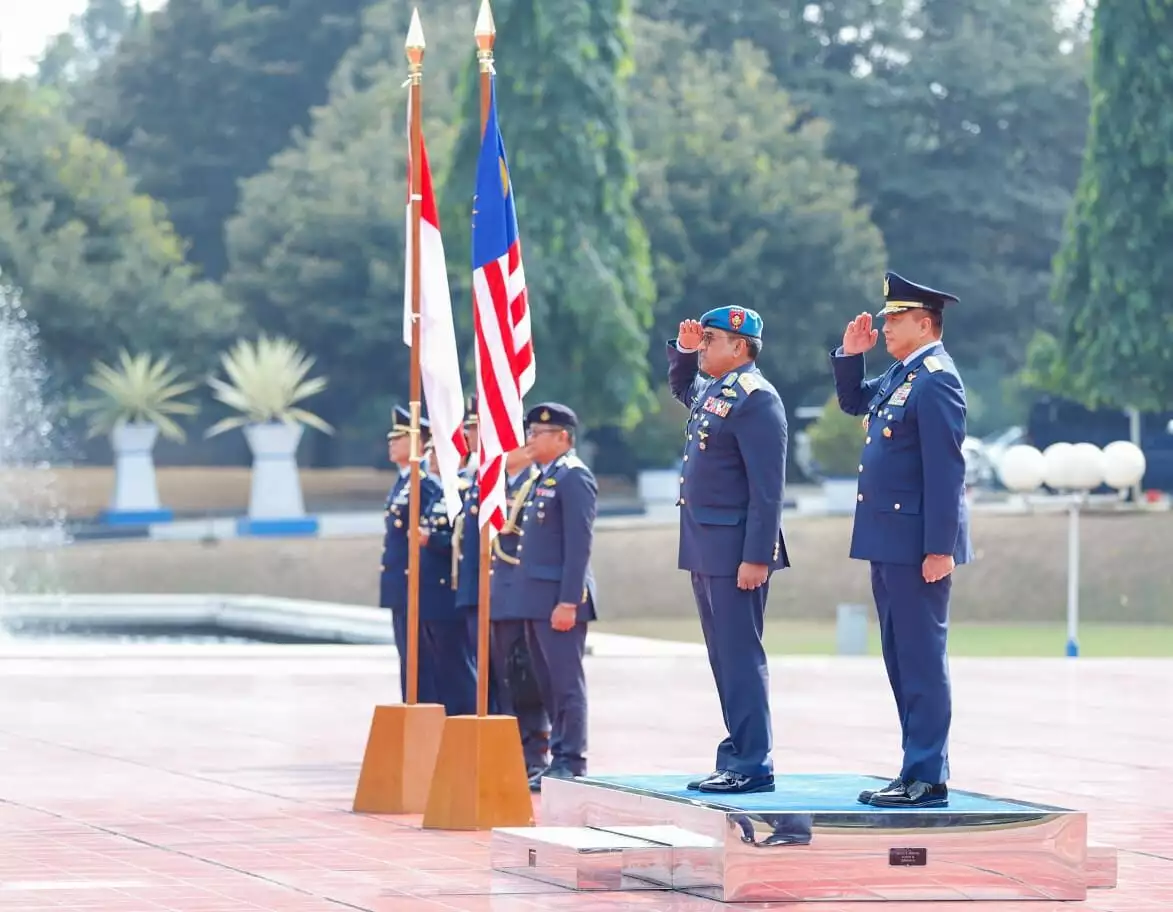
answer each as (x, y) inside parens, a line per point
(911, 518)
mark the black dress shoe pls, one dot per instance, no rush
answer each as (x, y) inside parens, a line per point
(912, 795)
(865, 796)
(696, 783)
(553, 772)
(731, 783)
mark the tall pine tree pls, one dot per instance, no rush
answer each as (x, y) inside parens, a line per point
(1114, 281)
(561, 98)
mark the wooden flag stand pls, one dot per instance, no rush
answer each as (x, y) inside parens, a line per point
(480, 780)
(404, 740)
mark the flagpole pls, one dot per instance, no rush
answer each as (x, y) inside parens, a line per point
(486, 36)
(415, 58)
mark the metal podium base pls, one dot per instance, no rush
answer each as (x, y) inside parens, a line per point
(807, 841)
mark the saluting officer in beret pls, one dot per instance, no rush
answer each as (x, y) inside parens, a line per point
(393, 571)
(731, 538)
(554, 589)
(911, 518)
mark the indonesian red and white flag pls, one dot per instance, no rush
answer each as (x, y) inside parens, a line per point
(439, 363)
(505, 352)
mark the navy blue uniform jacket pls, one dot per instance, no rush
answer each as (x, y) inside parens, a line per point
(466, 557)
(557, 534)
(733, 479)
(502, 605)
(911, 498)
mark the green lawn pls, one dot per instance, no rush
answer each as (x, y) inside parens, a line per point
(816, 638)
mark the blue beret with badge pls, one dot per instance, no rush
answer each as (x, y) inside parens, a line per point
(401, 424)
(901, 295)
(554, 414)
(739, 320)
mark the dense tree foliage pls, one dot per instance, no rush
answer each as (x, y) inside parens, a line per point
(207, 91)
(98, 264)
(1114, 281)
(562, 100)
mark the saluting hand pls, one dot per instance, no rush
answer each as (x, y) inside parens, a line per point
(752, 576)
(936, 567)
(688, 336)
(859, 336)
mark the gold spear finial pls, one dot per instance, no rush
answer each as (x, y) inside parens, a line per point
(486, 29)
(415, 39)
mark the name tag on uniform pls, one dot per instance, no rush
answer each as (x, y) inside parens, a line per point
(901, 395)
(716, 406)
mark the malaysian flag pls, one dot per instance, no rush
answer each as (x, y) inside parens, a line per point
(505, 352)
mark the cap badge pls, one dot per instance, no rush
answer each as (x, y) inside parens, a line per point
(736, 317)
(885, 286)
(545, 416)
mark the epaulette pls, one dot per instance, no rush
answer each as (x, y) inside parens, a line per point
(933, 364)
(464, 482)
(750, 382)
(573, 462)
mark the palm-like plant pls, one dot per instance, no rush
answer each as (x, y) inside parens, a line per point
(266, 380)
(139, 390)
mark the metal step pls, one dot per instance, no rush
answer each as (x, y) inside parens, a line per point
(595, 858)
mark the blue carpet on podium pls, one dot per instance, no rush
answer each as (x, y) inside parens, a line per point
(820, 793)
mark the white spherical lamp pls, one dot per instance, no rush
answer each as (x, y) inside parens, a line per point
(1124, 465)
(1022, 468)
(1086, 467)
(1057, 459)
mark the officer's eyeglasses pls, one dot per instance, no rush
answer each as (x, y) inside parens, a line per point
(537, 431)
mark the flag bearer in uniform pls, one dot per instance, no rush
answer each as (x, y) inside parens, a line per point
(731, 539)
(554, 587)
(911, 518)
(466, 544)
(393, 570)
(512, 665)
(445, 648)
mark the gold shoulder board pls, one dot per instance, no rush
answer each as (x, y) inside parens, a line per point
(933, 364)
(749, 382)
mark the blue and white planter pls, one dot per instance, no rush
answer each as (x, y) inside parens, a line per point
(275, 504)
(136, 492)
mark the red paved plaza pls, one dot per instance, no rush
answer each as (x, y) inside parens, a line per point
(220, 780)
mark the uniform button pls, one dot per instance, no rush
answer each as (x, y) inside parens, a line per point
(682, 479)
(859, 497)
(690, 436)
(460, 557)
(381, 568)
(681, 504)
(896, 506)
(519, 547)
(861, 466)
(443, 581)
(491, 571)
(686, 457)
(521, 531)
(867, 440)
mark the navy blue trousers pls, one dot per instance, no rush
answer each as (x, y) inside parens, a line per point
(914, 624)
(447, 664)
(505, 637)
(470, 617)
(557, 662)
(732, 620)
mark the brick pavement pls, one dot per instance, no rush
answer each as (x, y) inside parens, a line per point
(216, 784)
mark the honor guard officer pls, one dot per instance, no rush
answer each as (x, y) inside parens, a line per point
(445, 647)
(731, 538)
(512, 666)
(554, 587)
(911, 518)
(393, 572)
(466, 547)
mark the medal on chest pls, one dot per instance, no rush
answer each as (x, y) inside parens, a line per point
(718, 407)
(901, 395)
